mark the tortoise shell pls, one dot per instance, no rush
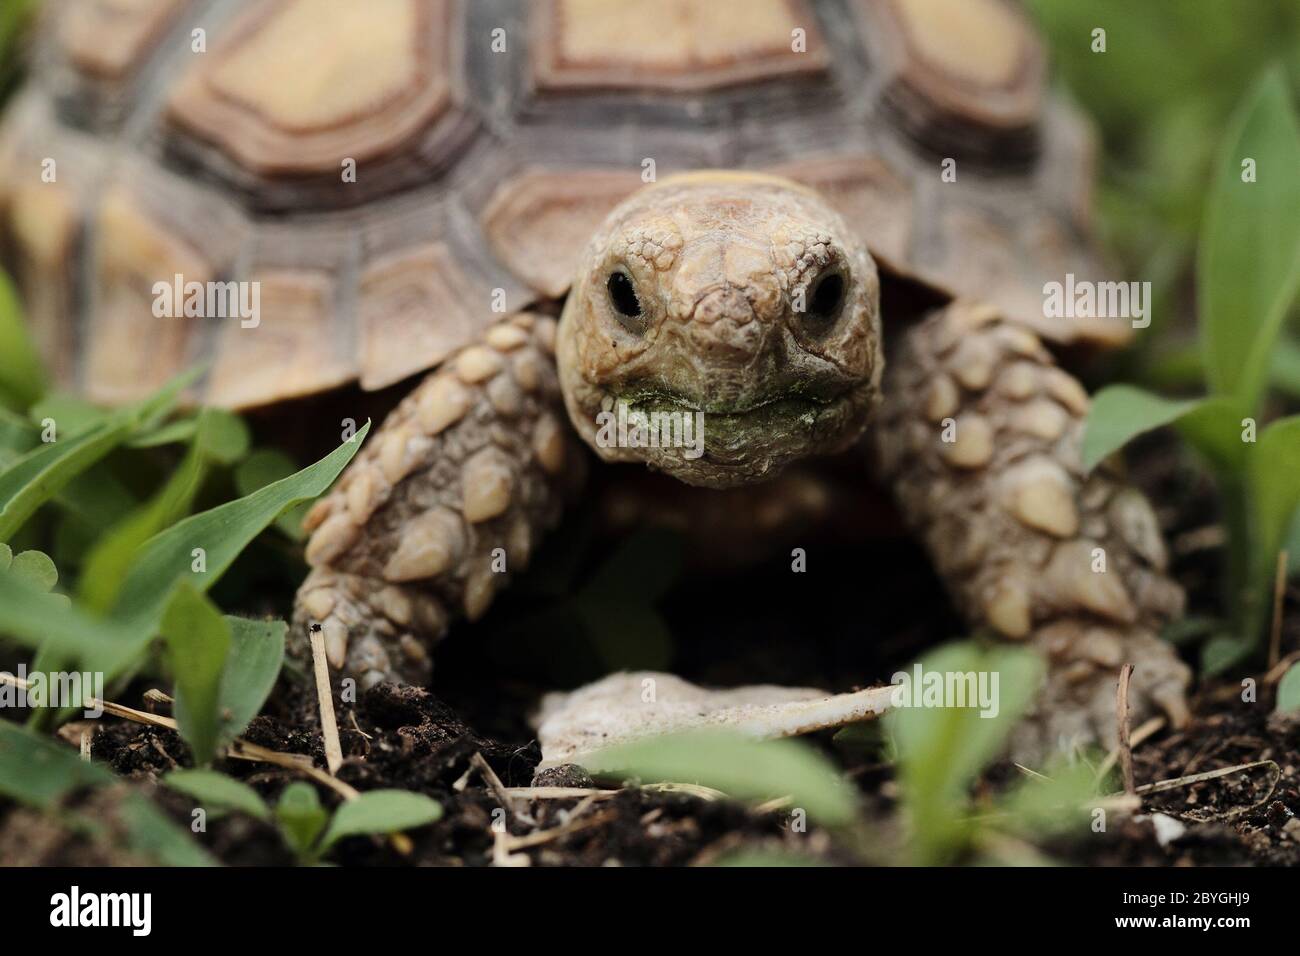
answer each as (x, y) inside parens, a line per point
(396, 174)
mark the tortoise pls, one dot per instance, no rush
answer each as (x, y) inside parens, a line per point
(718, 195)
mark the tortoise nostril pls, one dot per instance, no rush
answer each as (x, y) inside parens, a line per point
(623, 297)
(825, 300)
(726, 303)
(724, 327)
(826, 296)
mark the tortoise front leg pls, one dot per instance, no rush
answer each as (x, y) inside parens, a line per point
(979, 435)
(448, 498)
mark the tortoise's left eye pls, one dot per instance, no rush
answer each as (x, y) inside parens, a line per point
(825, 299)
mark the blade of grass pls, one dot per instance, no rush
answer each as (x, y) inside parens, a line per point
(41, 473)
(22, 377)
(219, 439)
(1249, 257)
(198, 641)
(220, 534)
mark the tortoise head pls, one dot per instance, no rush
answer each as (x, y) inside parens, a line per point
(721, 326)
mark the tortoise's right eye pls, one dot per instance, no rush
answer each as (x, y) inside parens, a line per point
(623, 297)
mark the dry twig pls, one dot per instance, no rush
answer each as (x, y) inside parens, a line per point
(325, 695)
(1188, 780)
(1138, 736)
(1121, 712)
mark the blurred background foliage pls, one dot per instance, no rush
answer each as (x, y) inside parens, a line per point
(14, 16)
(1161, 95)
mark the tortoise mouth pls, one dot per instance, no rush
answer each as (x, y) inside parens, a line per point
(718, 443)
(649, 397)
(728, 426)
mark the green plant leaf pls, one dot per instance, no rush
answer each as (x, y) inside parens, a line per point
(221, 437)
(1222, 652)
(1288, 691)
(1275, 483)
(17, 435)
(1249, 257)
(1285, 370)
(381, 811)
(112, 643)
(109, 561)
(1270, 501)
(69, 414)
(44, 471)
(27, 615)
(221, 533)
(1122, 412)
(1214, 428)
(218, 790)
(151, 832)
(36, 569)
(256, 654)
(1190, 630)
(96, 498)
(739, 766)
(260, 469)
(198, 640)
(15, 16)
(1044, 807)
(22, 377)
(301, 818)
(180, 430)
(1293, 547)
(38, 771)
(941, 749)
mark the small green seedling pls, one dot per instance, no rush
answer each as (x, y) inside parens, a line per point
(307, 827)
(41, 773)
(940, 752)
(33, 569)
(1288, 691)
(193, 552)
(739, 766)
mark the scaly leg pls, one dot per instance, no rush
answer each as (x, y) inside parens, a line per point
(1026, 542)
(449, 496)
